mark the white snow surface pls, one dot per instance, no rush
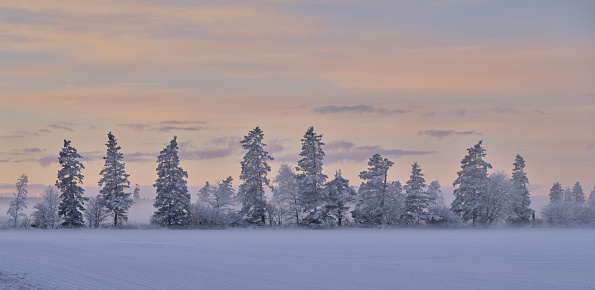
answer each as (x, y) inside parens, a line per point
(297, 259)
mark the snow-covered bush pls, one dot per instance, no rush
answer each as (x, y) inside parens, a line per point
(205, 216)
(568, 214)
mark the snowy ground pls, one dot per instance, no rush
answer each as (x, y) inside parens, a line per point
(297, 259)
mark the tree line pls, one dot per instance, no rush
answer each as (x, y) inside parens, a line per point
(301, 195)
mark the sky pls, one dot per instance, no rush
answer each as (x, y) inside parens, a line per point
(412, 80)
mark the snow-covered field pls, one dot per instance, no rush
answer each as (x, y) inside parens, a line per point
(297, 259)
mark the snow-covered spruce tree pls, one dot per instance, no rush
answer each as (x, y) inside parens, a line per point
(15, 211)
(69, 177)
(472, 182)
(95, 211)
(310, 179)
(417, 200)
(114, 181)
(556, 193)
(255, 168)
(285, 195)
(45, 214)
(173, 200)
(373, 192)
(520, 213)
(338, 194)
(136, 194)
(577, 196)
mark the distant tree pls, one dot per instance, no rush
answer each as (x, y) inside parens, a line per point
(472, 183)
(136, 193)
(373, 192)
(20, 201)
(114, 181)
(310, 178)
(255, 168)
(591, 201)
(173, 200)
(223, 194)
(45, 214)
(442, 215)
(69, 177)
(519, 196)
(213, 207)
(205, 193)
(338, 194)
(95, 211)
(417, 200)
(556, 193)
(576, 195)
(435, 193)
(286, 194)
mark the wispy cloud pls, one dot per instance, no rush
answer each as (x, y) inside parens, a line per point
(447, 133)
(216, 148)
(338, 151)
(167, 126)
(358, 109)
(11, 136)
(60, 127)
(505, 110)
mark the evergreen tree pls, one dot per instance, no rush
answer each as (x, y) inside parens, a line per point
(173, 200)
(254, 178)
(577, 196)
(591, 201)
(45, 214)
(338, 195)
(417, 200)
(69, 178)
(373, 192)
(114, 181)
(568, 195)
(136, 193)
(20, 201)
(556, 193)
(472, 181)
(285, 193)
(310, 178)
(519, 196)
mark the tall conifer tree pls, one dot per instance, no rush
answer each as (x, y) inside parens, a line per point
(173, 200)
(69, 178)
(519, 197)
(472, 184)
(114, 181)
(255, 168)
(310, 178)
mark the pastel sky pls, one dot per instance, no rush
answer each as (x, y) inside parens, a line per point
(411, 80)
